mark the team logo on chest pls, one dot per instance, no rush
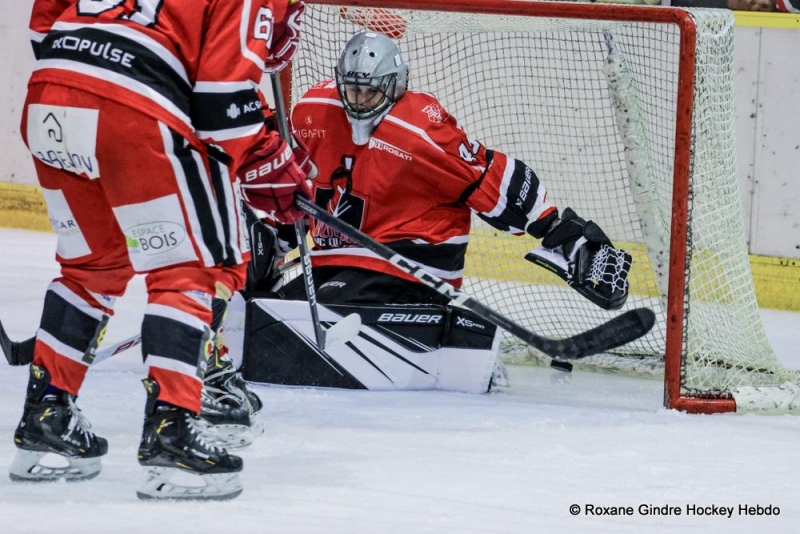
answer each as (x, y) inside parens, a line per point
(338, 199)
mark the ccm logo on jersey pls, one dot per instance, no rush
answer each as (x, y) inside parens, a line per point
(269, 165)
(466, 323)
(420, 318)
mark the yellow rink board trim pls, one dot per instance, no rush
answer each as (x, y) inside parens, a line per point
(758, 19)
(777, 280)
(22, 206)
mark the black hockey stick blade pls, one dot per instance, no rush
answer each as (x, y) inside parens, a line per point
(614, 333)
(16, 353)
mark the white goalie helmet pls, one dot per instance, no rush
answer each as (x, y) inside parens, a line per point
(371, 75)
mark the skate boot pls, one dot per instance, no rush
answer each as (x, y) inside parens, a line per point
(173, 442)
(227, 426)
(226, 386)
(52, 423)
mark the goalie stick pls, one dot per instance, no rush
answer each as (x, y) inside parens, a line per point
(346, 329)
(16, 353)
(618, 331)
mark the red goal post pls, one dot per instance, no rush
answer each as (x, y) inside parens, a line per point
(693, 369)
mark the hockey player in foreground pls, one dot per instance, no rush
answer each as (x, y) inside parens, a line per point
(121, 109)
(394, 164)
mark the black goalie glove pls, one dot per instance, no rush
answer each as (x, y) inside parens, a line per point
(582, 254)
(268, 245)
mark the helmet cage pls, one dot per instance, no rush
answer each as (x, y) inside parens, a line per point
(382, 85)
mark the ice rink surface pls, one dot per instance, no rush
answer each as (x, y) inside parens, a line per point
(416, 462)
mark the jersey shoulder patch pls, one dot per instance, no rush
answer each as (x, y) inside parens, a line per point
(422, 109)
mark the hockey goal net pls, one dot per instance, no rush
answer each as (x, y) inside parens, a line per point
(626, 114)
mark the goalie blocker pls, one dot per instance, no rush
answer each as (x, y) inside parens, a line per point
(399, 347)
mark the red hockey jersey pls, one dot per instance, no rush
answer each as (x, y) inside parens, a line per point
(412, 186)
(193, 64)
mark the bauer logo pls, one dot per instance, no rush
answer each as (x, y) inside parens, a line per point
(154, 238)
(414, 318)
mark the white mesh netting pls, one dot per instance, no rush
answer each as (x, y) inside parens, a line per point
(590, 105)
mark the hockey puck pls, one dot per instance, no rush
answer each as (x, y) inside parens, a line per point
(560, 365)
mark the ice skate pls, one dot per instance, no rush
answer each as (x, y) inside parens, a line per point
(226, 426)
(52, 424)
(225, 395)
(173, 447)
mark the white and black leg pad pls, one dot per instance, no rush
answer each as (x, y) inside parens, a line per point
(579, 252)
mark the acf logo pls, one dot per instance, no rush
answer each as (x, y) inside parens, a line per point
(155, 237)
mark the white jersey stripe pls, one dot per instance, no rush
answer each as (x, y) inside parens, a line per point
(364, 253)
(243, 34)
(411, 128)
(230, 133)
(36, 37)
(168, 312)
(224, 87)
(455, 240)
(70, 296)
(118, 79)
(169, 364)
(329, 101)
(205, 180)
(232, 206)
(186, 196)
(59, 347)
(540, 206)
(508, 172)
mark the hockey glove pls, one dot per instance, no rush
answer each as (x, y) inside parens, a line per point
(268, 246)
(580, 252)
(285, 38)
(271, 177)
